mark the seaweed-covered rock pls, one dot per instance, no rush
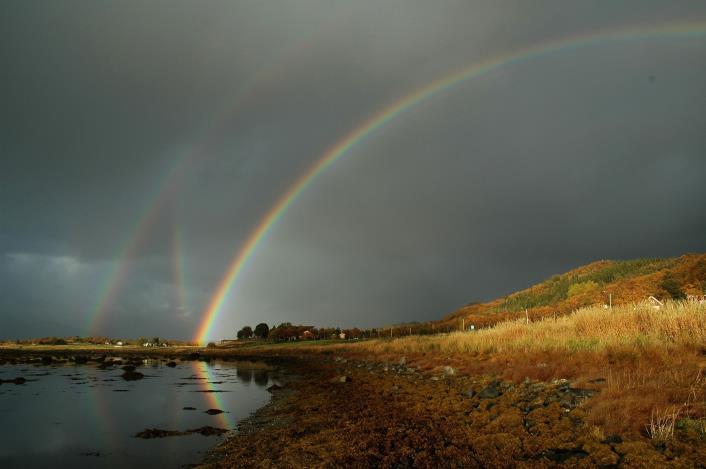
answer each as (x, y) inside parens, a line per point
(150, 433)
(132, 375)
(208, 431)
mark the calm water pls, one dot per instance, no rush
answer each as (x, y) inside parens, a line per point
(82, 416)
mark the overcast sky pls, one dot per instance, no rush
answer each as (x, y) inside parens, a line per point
(214, 108)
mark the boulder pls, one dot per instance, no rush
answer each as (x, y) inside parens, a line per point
(132, 375)
(491, 391)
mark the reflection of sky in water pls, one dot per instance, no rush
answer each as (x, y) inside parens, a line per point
(67, 414)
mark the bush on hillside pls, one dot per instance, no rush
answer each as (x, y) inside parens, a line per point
(672, 285)
(582, 287)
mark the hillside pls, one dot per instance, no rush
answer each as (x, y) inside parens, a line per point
(623, 281)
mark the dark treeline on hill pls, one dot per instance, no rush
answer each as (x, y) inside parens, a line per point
(288, 332)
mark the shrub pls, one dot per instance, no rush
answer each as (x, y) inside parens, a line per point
(582, 287)
(672, 286)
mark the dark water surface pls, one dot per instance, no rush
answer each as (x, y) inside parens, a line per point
(84, 416)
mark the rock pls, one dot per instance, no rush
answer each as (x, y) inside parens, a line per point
(563, 455)
(150, 433)
(613, 440)
(208, 431)
(80, 359)
(193, 356)
(171, 364)
(18, 380)
(214, 411)
(132, 375)
(189, 408)
(129, 368)
(470, 393)
(274, 387)
(449, 370)
(341, 379)
(491, 391)
(403, 361)
(46, 360)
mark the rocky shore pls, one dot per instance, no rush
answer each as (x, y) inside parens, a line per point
(365, 414)
(334, 410)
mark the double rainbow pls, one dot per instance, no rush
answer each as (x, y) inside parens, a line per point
(397, 108)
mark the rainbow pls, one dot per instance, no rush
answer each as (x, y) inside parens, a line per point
(397, 108)
(115, 279)
(118, 273)
(213, 399)
(178, 271)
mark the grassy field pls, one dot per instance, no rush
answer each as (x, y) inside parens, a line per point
(647, 364)
(637, 326)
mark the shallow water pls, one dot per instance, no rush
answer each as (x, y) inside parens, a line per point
(82, 416)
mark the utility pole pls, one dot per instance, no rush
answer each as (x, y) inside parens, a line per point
(526, 316)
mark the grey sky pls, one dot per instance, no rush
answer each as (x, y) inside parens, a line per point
(524, 172)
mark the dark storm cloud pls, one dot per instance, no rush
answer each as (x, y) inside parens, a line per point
(524, 172)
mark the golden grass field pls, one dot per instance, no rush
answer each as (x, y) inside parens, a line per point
(639, 326)
(648, 364)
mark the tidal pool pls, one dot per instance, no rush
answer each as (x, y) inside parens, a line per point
(84, 416)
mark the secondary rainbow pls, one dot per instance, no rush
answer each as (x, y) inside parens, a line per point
(394, 110)
(169, 184)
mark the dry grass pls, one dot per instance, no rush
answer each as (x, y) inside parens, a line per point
(637, 326)
(661, 426)
(646, 363)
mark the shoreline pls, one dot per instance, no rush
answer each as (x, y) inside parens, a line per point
(357, 413)
(338, 407)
